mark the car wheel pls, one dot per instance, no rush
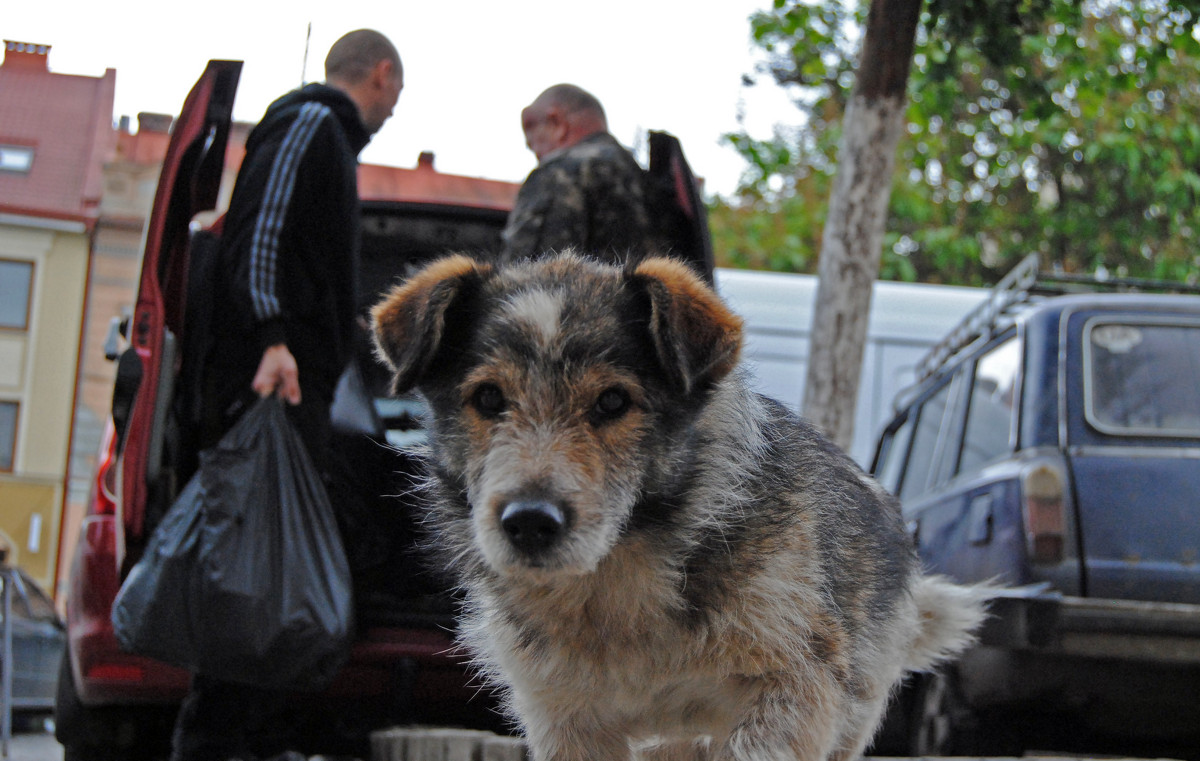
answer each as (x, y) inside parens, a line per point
(943, 724)
(71, 720)
(107, 733)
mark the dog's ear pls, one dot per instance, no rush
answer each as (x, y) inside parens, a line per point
(697, 338)
(410, 322)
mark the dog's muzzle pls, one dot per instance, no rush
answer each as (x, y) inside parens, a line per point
(533, 527)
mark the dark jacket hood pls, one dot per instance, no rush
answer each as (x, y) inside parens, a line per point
(343, 108)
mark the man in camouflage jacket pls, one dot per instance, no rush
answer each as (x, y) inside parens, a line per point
(588, 192)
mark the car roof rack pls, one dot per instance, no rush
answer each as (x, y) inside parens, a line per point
(1013, 288)
(1021, 285)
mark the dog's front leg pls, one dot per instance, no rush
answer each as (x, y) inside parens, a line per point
(580, 736)
(791, 719)
(696, 750)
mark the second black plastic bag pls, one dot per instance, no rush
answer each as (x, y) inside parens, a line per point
(245, 579)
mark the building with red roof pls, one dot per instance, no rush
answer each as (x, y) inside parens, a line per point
(55, 136)
(424, 184)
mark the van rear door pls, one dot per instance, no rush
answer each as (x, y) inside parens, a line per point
(1134, 451)
(189, 183)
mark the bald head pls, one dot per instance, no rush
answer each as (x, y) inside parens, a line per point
(560, 117)
(356, 53)
(364, 64)
(573, 100)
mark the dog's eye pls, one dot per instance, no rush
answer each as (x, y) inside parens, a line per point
(612, 404)
(488, 400)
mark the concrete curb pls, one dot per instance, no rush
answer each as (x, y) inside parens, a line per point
(439, 744)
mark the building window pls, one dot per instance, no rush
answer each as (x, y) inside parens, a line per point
(8, 434)
(16, 158)
(16, 283)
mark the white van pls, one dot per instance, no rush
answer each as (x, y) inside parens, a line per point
(907, 319)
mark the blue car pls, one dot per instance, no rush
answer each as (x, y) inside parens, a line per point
(1052, 444)
(38, 639)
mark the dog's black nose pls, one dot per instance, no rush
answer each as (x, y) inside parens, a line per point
(532, 527)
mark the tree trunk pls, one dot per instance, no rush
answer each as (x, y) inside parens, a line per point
(853, 236)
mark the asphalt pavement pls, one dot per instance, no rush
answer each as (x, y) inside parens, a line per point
(33, 746)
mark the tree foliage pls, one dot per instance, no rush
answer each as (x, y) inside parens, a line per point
(1064, 127)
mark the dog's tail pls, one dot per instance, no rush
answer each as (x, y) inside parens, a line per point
(949, 616)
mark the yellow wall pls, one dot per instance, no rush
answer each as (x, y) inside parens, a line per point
(29, 524)
(40, 375)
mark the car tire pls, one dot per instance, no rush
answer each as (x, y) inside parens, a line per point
(105, 734)
(944, 724)
(71, 720)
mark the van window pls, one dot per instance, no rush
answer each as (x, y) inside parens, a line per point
(1142, 379)
(988, 432)
(922, 460)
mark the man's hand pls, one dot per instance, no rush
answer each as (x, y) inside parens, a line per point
(278, 374)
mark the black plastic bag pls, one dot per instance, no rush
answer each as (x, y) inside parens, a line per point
(245, 579)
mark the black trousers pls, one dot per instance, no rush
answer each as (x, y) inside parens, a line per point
(221, 720)
(224, 405)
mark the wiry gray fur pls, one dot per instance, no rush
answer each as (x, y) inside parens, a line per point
(725, 583)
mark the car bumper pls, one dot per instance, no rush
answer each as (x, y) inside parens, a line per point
(1034, 618)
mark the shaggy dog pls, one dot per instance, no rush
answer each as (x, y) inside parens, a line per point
(656, 560)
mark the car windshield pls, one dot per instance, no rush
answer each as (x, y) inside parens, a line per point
(28, 600)
(1143, 379)
(18, 603)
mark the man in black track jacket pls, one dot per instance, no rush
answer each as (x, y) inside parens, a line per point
(289, 245)
(286, 305)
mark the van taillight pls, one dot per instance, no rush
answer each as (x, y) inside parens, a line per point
(106, 481)
(1044, 498)
(104, 489)
(107, 672)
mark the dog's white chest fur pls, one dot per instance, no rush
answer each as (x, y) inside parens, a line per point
(632, 668)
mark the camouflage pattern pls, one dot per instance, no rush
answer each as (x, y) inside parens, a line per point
(590, 196)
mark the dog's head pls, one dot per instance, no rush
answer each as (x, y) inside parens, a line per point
(563, 394)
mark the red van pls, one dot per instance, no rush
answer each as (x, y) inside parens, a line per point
(113, 705)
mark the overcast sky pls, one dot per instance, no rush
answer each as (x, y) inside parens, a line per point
(470, 66)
